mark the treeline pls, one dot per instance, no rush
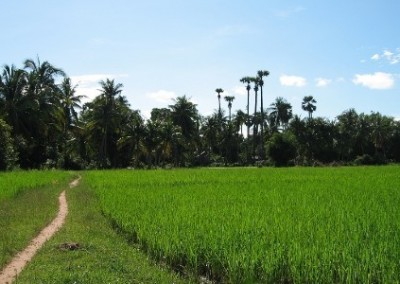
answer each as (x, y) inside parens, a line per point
(44, 125)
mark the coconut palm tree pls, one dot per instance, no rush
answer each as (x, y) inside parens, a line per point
(69, 101)
(104, 117)
(13, 104)
(260, 75)
(219, 91)
(230, 99)
(308, 105)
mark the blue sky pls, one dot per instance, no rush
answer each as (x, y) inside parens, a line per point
(344, 53)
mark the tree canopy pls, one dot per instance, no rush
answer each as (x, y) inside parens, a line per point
(43, 124)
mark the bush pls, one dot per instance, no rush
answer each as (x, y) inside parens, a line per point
(8, 155)
(281, 149)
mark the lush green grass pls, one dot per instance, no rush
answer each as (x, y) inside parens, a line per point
(28, 202)
(13, 183)
(317, 225)
(103, 255)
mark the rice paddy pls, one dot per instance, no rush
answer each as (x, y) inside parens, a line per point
(247, 225)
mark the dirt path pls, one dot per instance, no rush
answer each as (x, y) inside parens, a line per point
(17, 264)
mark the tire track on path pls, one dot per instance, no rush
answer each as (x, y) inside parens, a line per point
(17, 264)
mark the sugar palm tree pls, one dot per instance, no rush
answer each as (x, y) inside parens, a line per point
(260, 75)
(247, 81)
(219, 91)
(239, 119)
(281, 113)
(230, 99)
(308, 105)
(256, 82)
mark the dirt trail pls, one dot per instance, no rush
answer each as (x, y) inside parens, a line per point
(17, 264)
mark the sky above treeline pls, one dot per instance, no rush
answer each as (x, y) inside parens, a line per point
(344, 53)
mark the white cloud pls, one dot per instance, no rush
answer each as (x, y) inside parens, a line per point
(323, 82)
(161, 96)
(292, 81)
(88, 85)
(378, 80)
(239, 90)
(376, 56)
(393, 57)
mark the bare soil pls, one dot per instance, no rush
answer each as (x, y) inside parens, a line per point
(17, 264)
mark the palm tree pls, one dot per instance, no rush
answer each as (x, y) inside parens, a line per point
(255, 124)
(104, 117)
(308, 105)
(45, 124)
(229, 99)
(281, 113)
(13, 104)
(210, 133)
(69, 101)
(239, 119)
(247, 80)
(261, 74)
(184, 114)
(219, 91)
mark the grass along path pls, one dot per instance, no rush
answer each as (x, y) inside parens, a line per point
(25, 213)
(17, 264)
(88, 250)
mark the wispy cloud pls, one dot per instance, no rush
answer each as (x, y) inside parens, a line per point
(239, 90)
(377, 81)
(322, 82)
(292, 81)
(88, 85)
(162, 96)
(393, 57)
(286, 13)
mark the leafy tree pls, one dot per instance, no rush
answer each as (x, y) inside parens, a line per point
(281, 148)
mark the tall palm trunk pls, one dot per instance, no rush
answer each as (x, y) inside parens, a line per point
(261, 74)
(262, 122)
(255, 126)
(248, 111)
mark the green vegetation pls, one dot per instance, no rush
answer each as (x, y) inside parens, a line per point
(97, 254)
(307, 225)
(28, 202)
(14, 183)
(41, 127)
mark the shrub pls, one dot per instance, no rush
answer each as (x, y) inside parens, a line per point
(281, 149)
(8, 155)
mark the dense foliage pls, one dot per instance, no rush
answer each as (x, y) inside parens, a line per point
(276, 225)
(43, 125)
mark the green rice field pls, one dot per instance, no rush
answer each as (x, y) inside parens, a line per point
(13, 183)
(253, 225)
